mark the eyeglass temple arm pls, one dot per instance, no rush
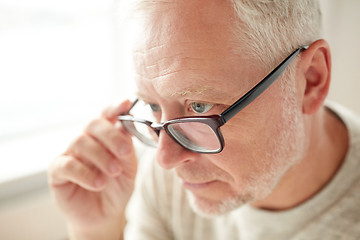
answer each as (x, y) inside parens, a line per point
(259, 88)
(133, 101)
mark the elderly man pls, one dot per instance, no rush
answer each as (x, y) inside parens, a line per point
(231, 93)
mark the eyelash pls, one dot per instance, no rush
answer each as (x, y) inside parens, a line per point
(207, 107)
(156, 109)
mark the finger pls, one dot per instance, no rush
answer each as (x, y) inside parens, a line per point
(112, 112)
(117, 141)
(66, 169)
(93, 153)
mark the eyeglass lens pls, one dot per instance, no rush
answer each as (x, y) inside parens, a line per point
(143, 132)
(195, 136)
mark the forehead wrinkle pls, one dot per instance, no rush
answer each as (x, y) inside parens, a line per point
(182, 59)
(195, 91)
(207, 93)
(163, 57)
(159, 79)
(190, 91)
(178, 51)
(181, 53)
(170, 66)
(181, 45)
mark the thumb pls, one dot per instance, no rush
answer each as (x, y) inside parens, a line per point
(112, 112)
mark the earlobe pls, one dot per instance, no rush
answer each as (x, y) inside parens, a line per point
(316, 71)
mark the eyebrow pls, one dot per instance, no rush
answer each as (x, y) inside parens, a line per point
(203, 92)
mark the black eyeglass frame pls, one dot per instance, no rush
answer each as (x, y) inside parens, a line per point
(216, 121)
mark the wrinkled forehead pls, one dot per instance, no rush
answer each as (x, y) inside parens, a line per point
(191, 40)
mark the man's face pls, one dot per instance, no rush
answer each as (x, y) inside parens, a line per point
(188, 64)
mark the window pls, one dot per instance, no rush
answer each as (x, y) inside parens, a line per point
(58, 70)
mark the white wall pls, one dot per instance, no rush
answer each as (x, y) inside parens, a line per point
(342, 30)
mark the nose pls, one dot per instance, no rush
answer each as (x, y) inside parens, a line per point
(170, 154)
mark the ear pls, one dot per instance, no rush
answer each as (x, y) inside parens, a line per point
(315, 70)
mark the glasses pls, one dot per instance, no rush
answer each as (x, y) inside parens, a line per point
(200, 134)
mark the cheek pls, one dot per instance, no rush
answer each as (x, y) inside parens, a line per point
(261, 143)
(238, 160)
(252, 146)
(245, 137)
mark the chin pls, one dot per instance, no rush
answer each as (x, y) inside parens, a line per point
(210, 209)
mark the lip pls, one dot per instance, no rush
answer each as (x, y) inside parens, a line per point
(196, 186)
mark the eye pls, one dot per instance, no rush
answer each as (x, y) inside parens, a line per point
(152, 112)
(199, 107)
(154, 107)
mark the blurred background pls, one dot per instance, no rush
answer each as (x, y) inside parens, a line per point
(61, 62)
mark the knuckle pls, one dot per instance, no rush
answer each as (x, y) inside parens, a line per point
(112, 134)
(107, 111)
(79, 143)
(88, 174)
(100, 129)
(69, 164)
(118, 134)
(93, 125)
(53, 169)
(71, 169)
(59, 168)
(77, 169)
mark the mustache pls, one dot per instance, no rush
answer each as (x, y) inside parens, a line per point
(199, 174)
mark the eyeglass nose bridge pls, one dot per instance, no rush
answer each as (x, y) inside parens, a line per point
(157, 127)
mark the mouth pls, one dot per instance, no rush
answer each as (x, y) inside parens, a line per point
(197, 186)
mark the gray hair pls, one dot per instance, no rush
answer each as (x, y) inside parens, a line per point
(268, 30)
(271, 29)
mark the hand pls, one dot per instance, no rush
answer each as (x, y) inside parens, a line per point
(94, 179)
